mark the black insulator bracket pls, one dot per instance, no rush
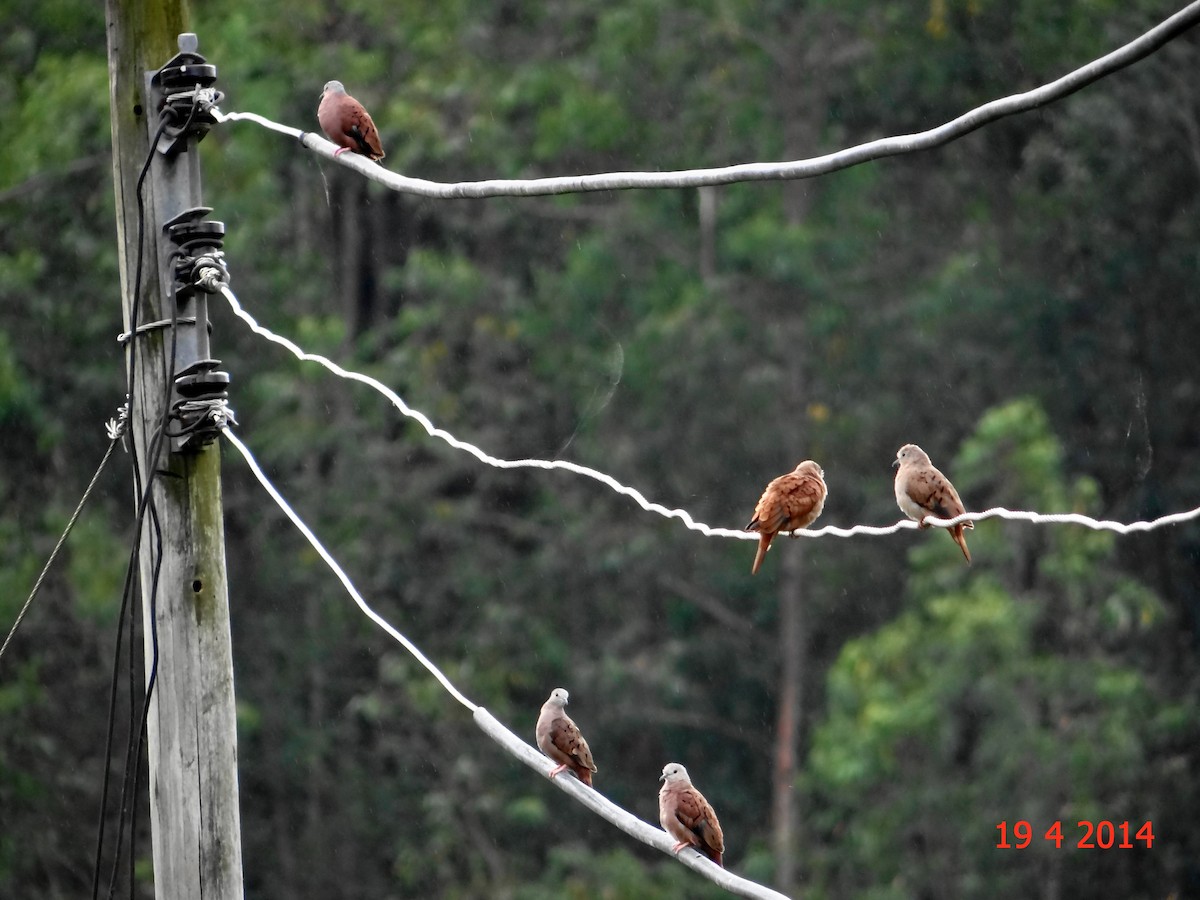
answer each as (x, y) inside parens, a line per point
(198, 269)
(183, 92)
(199, 259)
(200, 406)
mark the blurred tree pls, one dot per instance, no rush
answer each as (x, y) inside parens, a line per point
(997, 698)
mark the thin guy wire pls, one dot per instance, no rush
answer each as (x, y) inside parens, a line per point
(341, 574)
(37, 585)
(1135, 50)
(682, 514)
(494, 729)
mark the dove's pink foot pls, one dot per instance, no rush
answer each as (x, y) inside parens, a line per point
(339, 151)
(557, 770)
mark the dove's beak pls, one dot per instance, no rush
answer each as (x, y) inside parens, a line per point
(896, 464)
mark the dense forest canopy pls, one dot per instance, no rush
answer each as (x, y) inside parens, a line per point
(1022, 303)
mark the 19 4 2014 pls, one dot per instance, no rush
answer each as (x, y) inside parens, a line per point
(1102, 835)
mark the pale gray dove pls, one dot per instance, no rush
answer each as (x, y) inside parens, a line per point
(687, 816)
(559, 738)
(347, 124)
(790, 502)
(921, 490)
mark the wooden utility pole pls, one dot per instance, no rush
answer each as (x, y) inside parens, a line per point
(192, 746)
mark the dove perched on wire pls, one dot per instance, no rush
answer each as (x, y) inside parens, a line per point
(790, 502)
(347, 124)
(686, 816)
(559, 738)
(921, 491)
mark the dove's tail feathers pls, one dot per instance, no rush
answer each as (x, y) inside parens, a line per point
(959, 538)
(584, 774)
(764, 541)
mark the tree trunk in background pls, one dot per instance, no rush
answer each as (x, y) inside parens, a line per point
(793, 644)
(801, 98)
(315, 835)
(707, 203)
(348, 240)
(793, 640)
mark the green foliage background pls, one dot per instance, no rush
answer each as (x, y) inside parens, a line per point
(1023, 303)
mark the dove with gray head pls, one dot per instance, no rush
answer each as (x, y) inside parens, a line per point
(921, 491)
(347, 123)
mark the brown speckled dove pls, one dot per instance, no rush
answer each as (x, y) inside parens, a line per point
(347, 124)
(686, 816)
(559, 738)
(921, 490)
(790, 502)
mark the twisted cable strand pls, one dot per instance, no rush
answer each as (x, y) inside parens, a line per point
(677, 513)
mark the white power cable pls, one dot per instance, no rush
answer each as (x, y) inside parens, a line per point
(682, 514)
(479, 454)
(492, 727)
(341, 574)
(1118, 59)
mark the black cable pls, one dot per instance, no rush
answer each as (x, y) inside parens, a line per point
(133, 661)
(137, 726)
(133, 757)
(126, 593)
(144, 492)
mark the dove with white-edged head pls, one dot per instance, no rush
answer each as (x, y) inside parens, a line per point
(559, 738)
(686, 816)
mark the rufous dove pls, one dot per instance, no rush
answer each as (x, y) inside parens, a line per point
(347, 124)
(559, 738)
(921, 491)
(686, 816)
(790, 502)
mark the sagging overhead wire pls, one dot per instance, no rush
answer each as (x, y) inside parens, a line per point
(1135, 50)
(470, 448)
(341, 573)
(683, 515)
(494, 729)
